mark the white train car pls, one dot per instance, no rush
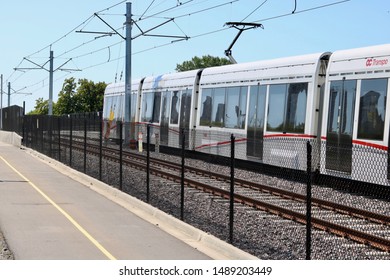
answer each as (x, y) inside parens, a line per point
(270, 106)
(337, 101)
(168, 106)
(355, 127)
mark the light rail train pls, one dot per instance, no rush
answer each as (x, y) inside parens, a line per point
(337, 101)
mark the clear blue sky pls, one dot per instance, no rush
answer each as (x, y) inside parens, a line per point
(28, 28)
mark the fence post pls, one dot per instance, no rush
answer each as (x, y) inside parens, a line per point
(59, 138)
(70, 141)
(85, 145)
(50, 127)
(182, 175)
(23, 123)
(147, 162)
(42, 132)
(120, 156)
(231, 214)
(100, 148)
(308, 203)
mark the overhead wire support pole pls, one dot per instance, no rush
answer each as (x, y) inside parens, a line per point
(9, 94)
(128, 23)
(128, 26)
(51, 74)
(51, 84)
(245, 26)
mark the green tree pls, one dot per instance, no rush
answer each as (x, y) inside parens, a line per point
(90, 95)
(67, 102)
(203, 62)
(83, 96)
(41, 107)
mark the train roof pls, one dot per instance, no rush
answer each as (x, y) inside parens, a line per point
(171, 81)
(119, 88)
(282, 68)
(360, 60)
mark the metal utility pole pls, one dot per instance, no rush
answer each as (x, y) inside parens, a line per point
(51, 85)
(9, 94)
(128, 39)
(51, 71)
(128, 75)
(128, 23)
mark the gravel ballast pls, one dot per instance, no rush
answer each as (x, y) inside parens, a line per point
(261, 234)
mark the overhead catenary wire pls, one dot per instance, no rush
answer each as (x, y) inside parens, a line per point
(89, 19)
(92, 52)
(251, 13)
(166, 10)
(206, 9)
(194, 36)
(119, 58)
(86, 21)
(147, 9)
(303, 11)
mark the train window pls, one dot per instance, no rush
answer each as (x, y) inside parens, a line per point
(333, 109)
(133, 106)
(107, 107)
(185, 111)
(232, 107)
(147, 107)
(256, 107)
(207, 103)
(119, 109)
(224, 107)
(218, 108)
(276, 107)
(287, 108)
(156, 107)
(175, 108)
(296, 108)
(114, 108)
(341, 106)
(235, 107)
(372, 109)
(165, 107)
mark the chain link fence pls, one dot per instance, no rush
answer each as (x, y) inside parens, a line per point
(280, 161)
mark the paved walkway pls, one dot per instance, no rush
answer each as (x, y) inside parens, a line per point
(48, 211)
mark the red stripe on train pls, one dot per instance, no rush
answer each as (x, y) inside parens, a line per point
(364, 143)
(290, 135)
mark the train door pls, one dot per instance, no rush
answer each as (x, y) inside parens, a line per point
(340, 125)
(255, 128)
(185, 113)
(164, 125)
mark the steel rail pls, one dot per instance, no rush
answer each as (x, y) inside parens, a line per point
(339, 230)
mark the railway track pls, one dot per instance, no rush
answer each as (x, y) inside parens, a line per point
(362, 226)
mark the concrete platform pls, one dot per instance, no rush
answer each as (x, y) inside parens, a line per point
(10, 138)
(49, 211)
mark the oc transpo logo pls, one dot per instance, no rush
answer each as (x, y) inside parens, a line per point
(376, 62)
